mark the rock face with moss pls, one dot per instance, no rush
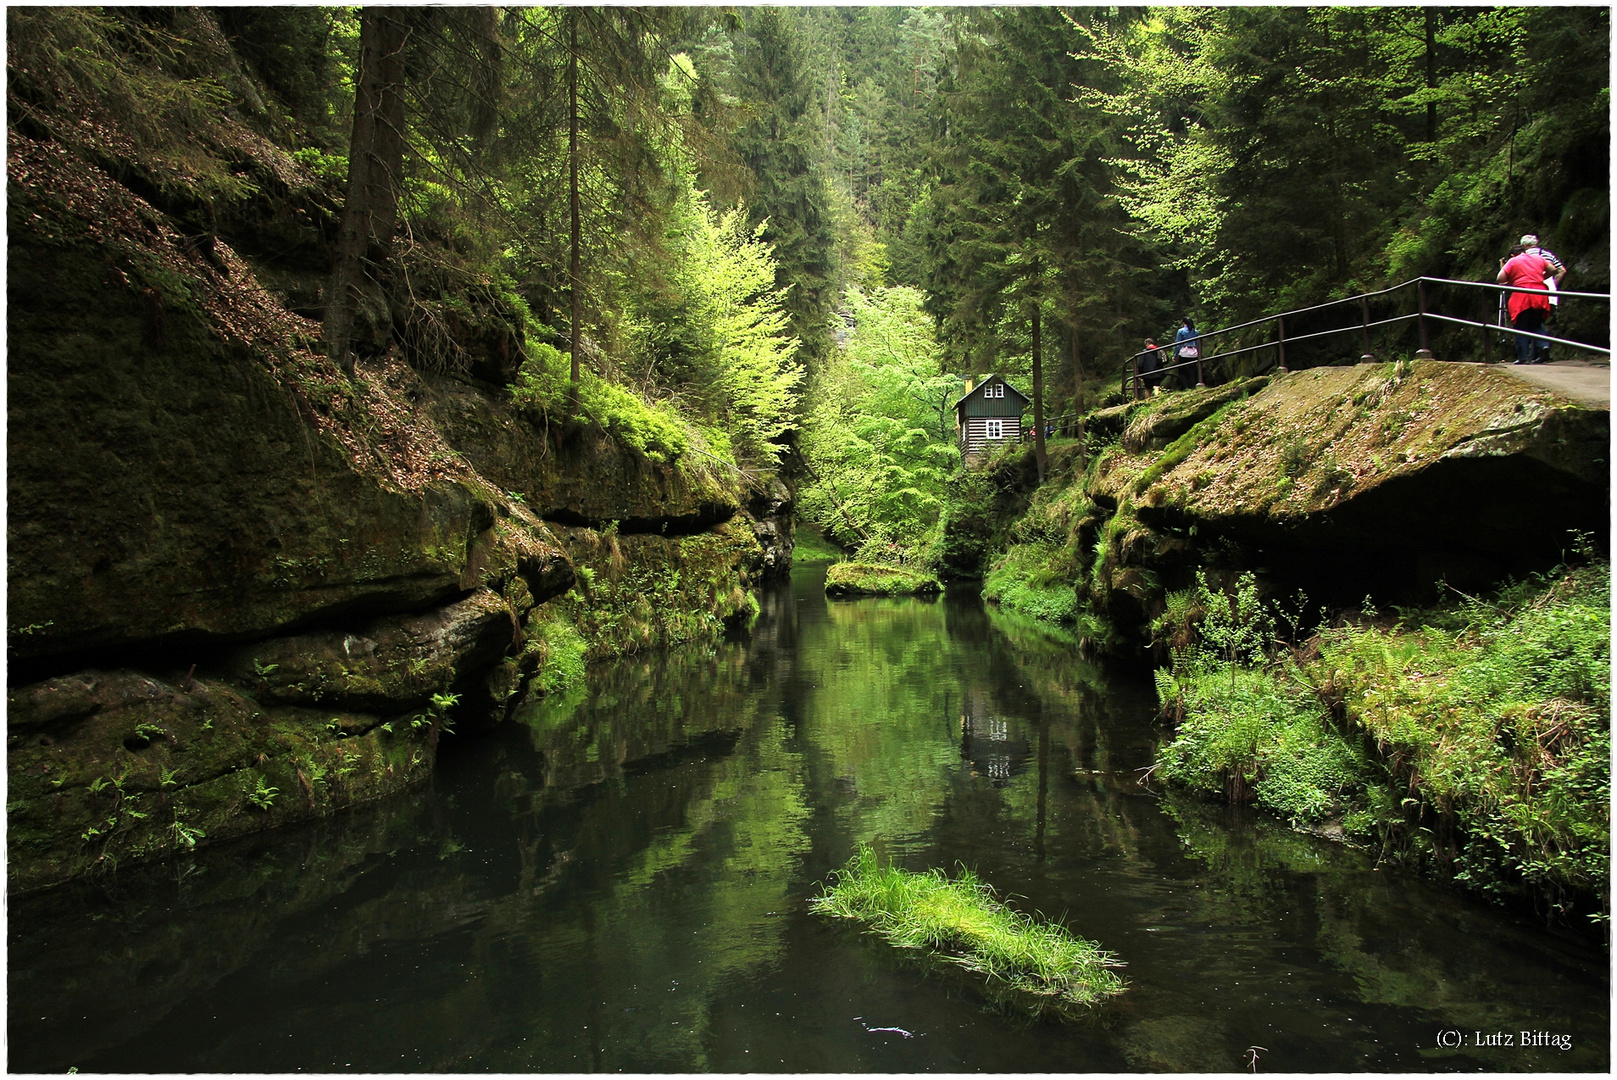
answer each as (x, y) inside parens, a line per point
(1377, 478)
(1380, 475)
(246, 587)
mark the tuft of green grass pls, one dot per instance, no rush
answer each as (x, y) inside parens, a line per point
(960, 921)
(874, 579)
(1035, 579)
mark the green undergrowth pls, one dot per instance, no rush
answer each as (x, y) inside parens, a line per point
(556, 650)
(1034, 580)
(543, 385)
(1472, 739)
(812, 546)
(962, 922)
(875, 579)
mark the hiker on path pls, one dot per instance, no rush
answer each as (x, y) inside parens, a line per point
(1150, 366)
(1530, 243)
(1529, 307)
(1187, 345)
(1553, 283)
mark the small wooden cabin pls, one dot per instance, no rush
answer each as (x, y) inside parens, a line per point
(987, 415)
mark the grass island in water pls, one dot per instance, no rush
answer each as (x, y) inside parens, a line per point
(962, 922)
(875, 579)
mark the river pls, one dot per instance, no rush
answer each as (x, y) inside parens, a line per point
(617, 881)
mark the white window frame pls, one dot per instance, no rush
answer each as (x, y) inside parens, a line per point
(994, 429)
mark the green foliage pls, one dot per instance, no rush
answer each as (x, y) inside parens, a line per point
(811, 546)
(878, 435)
(1497, 717)
(1474, 737)
(1248, 736)
(963, 922)
(1030, 578)
(712, 330)
(543, 385)
(776, 143)
(262, 794)
(1287, 155)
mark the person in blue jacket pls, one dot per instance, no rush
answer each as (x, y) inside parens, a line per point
(1187, 349)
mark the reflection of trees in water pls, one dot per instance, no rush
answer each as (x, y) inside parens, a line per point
(1431, 960)
(630, 855)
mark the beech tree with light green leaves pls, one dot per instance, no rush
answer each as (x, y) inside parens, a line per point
(878, 444)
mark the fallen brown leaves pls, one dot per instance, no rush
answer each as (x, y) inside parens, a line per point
(59, 198)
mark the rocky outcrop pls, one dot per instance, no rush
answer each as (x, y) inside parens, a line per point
(770, 511)
(1368, 479)
(1375, 480)
(111, 766)
(577, 476)
(247, 587)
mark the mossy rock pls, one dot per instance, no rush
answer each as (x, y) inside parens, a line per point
(1343, 481)
(874, 579)
(111, 767)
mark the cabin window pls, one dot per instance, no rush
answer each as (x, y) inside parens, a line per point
(995, 391)
(996, 429)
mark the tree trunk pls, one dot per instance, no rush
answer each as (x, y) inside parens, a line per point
(375, 168)
(1078, 391)
(573, 271)
(1038, 396)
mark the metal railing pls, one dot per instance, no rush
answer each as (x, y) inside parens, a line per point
(1133, 377)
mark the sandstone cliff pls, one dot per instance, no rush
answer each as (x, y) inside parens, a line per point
(246, 588)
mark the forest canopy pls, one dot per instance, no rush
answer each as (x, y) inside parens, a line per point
(789, 232)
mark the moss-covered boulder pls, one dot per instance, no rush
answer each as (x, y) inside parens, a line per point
(1378, 477)
(875, 579)
(639, 591)
(389, 664)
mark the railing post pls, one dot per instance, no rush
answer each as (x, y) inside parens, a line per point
(1425, 351)
(1282, 343)
(1487, 344)
(1364, 309)
(1134, 362)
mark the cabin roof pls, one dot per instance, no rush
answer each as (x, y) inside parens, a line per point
(987, 381)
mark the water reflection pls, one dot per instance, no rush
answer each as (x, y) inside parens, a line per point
(617, 881)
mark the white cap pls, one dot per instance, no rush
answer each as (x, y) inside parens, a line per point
(1530, 239)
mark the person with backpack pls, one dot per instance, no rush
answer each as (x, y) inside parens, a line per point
(1528, 275)
(1148, 366)
(1187, 346)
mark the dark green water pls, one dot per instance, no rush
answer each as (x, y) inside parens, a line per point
(617, 882)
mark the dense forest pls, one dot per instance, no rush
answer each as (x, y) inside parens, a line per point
(676, 216)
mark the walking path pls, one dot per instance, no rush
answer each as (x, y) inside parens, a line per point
(1583, 382)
